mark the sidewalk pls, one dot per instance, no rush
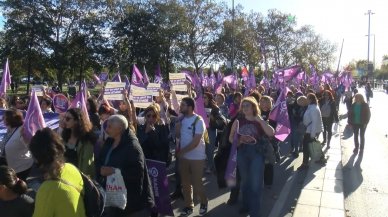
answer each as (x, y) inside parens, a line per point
(322, 191)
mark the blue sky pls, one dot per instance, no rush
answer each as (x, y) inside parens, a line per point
(336, 20)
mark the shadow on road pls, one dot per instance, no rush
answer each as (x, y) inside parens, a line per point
(352, 171)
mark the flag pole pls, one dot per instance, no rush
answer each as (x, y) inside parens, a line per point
(339, 60)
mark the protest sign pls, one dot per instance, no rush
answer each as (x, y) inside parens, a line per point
(178, 81)
(61, 103)
(158, 175)
(38, 89)
(179, 97)
(114, 90)
(141, 97)
(153, 88)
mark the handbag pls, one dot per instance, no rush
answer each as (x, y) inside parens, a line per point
(116, 192)
(315, 149)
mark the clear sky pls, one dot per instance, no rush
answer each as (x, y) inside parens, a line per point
(336, 20)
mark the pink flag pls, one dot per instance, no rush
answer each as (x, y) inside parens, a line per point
(280, 114)
(291, 72)
(6, 79)
(34, 120)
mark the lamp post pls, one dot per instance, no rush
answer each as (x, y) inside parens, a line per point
(233, 39)
(369, 13)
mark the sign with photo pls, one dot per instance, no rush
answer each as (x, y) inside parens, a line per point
(61, 103)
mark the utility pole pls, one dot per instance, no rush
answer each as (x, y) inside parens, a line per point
(233, 39)
(369, 70)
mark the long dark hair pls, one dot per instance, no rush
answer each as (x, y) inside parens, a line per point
(11, 181)
(48, 150)
(82, 130)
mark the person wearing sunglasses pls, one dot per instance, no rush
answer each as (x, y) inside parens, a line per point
(79, 141)
(153, 135)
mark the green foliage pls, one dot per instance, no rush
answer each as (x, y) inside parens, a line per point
(70, 40)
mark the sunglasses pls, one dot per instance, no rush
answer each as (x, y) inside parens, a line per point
(68, 118)
(149, 116)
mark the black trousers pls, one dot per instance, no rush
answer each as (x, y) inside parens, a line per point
(359, 130)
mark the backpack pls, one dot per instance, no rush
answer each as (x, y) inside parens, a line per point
(205, 134)
(93, 196)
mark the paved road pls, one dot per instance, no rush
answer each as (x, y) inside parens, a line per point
(366, 176)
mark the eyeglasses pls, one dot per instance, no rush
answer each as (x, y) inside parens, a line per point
(149, 116)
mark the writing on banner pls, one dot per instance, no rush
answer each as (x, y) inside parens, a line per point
(154, 88)
(178, 81)
(38, 89)
(51, 119)
(61, 103)
(141, 97)
(114, 90)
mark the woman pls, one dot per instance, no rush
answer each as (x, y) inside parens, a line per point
(3, 103)
(45, 105)
(368, 92)
(250, 160)
(13, 148)
(79, 141)
(153, 135)
(212, 112)
(329, 115)
(56, 198)
(235, 105)
(359, 116)
(220, 100)
(122, 150)
(91, 106)
(13, 199)
(313, 121)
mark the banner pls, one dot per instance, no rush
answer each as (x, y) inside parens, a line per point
(114, 90)
(158, 175)
(51, 120)
(153, 88)
(61, 103)
(178, 81)
(141, 97)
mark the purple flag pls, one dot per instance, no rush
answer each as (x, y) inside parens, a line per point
(158, 75)
(219, 75)
(200, 109)
(265, 83)
(280, 114)
(146, 80)
(291, 72)
(6, 79)
(212, 78)
(79, 101)
(104, 76)
(117, 77)
(158, 175)
(127, 83)
(137, 77)
(230, 172)
(231, 80)
(34, 119)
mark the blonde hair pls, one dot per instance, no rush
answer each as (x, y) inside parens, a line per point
(254, 103)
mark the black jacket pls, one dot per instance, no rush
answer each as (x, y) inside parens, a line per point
(155, 144)
(129, 158)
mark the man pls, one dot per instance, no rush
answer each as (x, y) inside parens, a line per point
(191, 154)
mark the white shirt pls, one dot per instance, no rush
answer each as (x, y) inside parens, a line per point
(312, 120)
(17, 154)
(198, 153)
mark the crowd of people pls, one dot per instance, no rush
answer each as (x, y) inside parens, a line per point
(121, 136)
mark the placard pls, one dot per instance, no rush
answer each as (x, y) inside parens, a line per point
(38, 89)
(180, 97)
(178, 81)
(114, 90)
(154, 88)
(141, 98)
(61, 103)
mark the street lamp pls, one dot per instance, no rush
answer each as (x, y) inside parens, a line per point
(369, 13)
